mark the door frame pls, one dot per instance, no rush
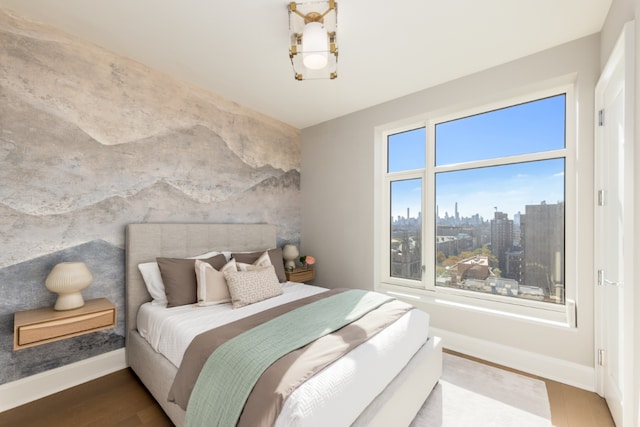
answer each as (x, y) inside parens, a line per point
(623, 53)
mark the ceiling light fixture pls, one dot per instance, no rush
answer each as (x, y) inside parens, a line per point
(312, 31)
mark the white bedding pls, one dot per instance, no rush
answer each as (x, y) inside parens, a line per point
(339, 392)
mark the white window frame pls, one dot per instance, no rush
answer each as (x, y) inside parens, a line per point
(400, 176)
(562, 315)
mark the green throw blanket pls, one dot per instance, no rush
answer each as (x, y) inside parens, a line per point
(231, 371)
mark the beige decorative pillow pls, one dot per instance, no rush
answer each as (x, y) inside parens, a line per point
(263, 261)
(248, 287)
(212, 286)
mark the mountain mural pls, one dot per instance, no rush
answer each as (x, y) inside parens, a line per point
(117, 100)
(90, 142)
(276, 200)
(195, 160)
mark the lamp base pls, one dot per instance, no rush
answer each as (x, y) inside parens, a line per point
(69, 301)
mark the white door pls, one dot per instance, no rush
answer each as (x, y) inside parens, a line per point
(614, 231)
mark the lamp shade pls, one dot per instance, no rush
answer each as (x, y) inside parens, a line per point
(67, 279)
(315, 46)
(290, 253)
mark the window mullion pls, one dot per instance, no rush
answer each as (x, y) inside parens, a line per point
(530, 157)
(428, 209)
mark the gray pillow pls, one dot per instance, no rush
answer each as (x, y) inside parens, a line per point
(275, 255)
(179, 278)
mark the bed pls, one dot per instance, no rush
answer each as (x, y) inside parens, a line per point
(396, 404)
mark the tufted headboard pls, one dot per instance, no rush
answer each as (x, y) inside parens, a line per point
(145, 242)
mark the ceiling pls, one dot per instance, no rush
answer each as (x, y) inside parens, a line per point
(239, 48)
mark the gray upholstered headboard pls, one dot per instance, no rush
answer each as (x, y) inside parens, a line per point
(145, 242)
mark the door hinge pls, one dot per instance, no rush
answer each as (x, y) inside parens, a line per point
(601, 198)
(601, 359)
(601, 117)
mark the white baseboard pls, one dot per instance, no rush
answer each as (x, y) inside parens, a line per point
(536, 364)
(37, 386)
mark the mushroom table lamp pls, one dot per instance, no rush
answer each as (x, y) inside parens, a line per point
(290, 253)
(68, 279)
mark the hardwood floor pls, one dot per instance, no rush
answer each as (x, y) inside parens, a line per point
(119, 399)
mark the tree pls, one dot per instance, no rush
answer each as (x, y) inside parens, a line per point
(493, 260)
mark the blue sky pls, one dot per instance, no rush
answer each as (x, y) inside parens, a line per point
(509, 188)
(525, 128)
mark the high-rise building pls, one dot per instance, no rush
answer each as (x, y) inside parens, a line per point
(501, 237)
(516, 229)
(542, 240)
(514, 264)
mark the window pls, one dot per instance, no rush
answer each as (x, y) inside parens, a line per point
(405, 153)
(475, 202)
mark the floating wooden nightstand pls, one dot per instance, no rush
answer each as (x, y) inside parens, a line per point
(43, 325)
(301, 275)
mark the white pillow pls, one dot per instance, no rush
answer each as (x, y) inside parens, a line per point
(263, 261)
(248, 287)
(212, 286)
(153, 281)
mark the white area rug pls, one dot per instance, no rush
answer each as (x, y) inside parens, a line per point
(476, 395)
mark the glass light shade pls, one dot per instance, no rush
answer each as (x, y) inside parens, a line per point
(290, 253)
(67, 279)
(315, 46)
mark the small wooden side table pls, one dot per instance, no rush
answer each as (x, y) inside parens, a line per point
(301, 275)
(43, 325)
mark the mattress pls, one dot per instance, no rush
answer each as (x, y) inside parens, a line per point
(339, 392)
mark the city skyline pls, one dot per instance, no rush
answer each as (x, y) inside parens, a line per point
(509, 187)
(520, 256)
(446, 214)
(544, 186)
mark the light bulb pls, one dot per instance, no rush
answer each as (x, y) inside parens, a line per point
(315, 46)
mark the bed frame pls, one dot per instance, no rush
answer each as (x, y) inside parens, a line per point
(396, 405)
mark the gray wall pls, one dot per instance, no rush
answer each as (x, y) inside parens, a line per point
(338, 188)
(89, 142)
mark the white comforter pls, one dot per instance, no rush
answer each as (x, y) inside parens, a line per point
(339, 392)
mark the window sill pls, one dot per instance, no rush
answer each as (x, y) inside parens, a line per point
(559, 317)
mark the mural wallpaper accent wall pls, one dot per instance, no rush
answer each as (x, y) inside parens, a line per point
(91, 141)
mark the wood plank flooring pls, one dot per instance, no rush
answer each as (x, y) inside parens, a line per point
(120, 400)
